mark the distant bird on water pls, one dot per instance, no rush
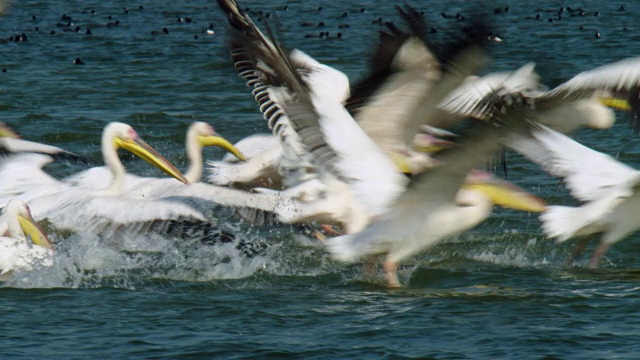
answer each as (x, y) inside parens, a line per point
(164, 31)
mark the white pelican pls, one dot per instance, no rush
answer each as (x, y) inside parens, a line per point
(607, 187)
(26, 245)
(335, 141)
(575, 103)
(390, 105)
(434, 206)
(295, 164)
(406, 84)
(357, 181)
(199, 135)
(81, 209)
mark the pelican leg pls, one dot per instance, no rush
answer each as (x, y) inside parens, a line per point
(391, 273)
(319, 235)
(580, 246)
(598, 253)
(330, 230)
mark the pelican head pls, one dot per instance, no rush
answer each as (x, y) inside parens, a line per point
(503, 193)
(122, 136)
(201, 134)
(21, 224)
(205, 135)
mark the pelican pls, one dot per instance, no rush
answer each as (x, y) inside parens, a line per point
(407, 82)
(434, 207)
(81, 209)
(294, 165)
(390, 105)
(357, 182)
(199, 135)
(607, 187)
(26, 245)
(335, 141)
(411, 66)
(581, 101)
(351, 189)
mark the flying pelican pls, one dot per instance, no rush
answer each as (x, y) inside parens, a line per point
(578, 102)
(390, 105)
(26, 244)
(434, 206)
(312, 104)
(81, 209)
(335, 141)
(358, 183)
(607, 187)
(408, 79)
(199, 135)
(295, 165)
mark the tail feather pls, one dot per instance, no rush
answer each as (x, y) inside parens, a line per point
(219, 173)
(562, 222)
(341, 248)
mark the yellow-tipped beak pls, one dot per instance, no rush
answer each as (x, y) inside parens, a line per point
(216, 140)
(619, 104)
(148, 154)
(5, 131)
(33, 231)
(403, 163)
(430, 144)
(506, 194)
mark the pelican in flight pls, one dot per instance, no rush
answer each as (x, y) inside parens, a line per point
(329, 140)
(199, 135)
(407, 81)
(351, 188)
(81, 209)
(409, 77)
(435, 206)
(608, 188)
(578, 102)
(23, 244)
(358, 183)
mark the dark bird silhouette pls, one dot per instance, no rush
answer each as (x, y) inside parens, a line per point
(164, 31)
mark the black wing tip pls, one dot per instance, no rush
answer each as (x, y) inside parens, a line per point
(634, 103)
(475, 34)
(73, 158)
(415, 20)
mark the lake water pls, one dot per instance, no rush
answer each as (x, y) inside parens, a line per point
(499, 291)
